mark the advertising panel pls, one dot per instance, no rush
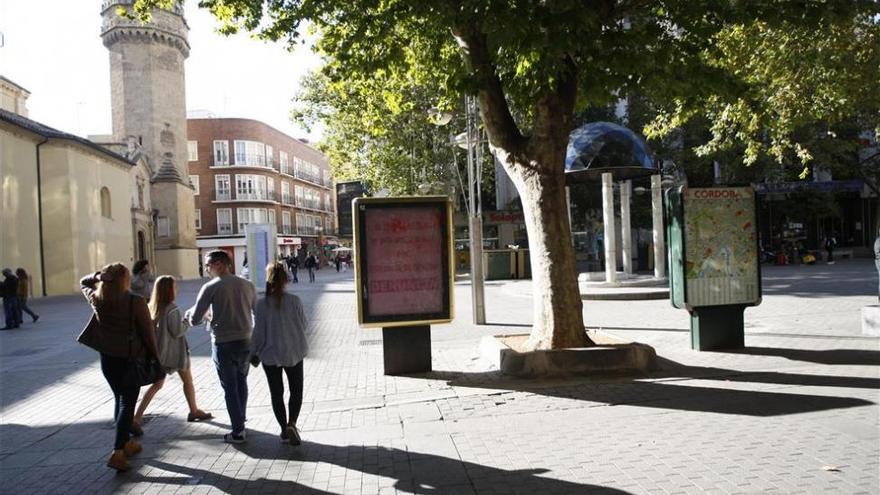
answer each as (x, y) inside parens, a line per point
(260, 250)
(402, 250)
(714, 247)
(346, 192)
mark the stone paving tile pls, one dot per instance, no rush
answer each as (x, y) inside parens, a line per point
(768, 419)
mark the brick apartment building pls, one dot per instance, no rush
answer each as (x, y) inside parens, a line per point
(245, 171)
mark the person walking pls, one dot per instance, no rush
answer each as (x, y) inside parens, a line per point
(830, 244)
(125, 333)
(280, 344)
(11, 308)
(24, 291)
(877, 259)
(174, 354)
(338, 261)
(142, 279)
(231, 300)
(293, 265)
(311, 265)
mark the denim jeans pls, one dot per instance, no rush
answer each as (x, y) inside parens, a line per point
(12, 311)
(124, 396)
(231, 362)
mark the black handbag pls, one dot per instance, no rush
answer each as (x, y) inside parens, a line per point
(140, 371)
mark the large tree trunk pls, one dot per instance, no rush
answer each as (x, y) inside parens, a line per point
(536, 164)
(557, 306)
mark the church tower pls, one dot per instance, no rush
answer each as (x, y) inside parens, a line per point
(147, 91)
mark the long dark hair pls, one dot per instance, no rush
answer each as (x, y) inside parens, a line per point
(276, 280)
(139, 266)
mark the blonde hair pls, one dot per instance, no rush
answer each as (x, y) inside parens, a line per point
(115, 281)
(276, 279)
(163, 295)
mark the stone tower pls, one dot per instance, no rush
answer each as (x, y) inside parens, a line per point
(147, 92)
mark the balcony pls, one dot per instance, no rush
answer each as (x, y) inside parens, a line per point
(224, 228)
(252, 196)
(223, 196)
(285, 199)
(286, 169)
(272, 196)
(307, 230)
(250, 160)
(312, 204)
(287, 229)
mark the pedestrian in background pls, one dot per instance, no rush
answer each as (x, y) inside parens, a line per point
(311, 266)
(877, 260)
(126, 333)
(174, 353)
(830, 244)
(142, 279)
(293, 264)
(24, 292)
(231, 300)
(11, 308)
(280, 344)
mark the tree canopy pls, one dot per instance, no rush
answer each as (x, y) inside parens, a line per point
(757, 70)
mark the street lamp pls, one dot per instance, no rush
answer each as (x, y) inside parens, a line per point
(470, 141)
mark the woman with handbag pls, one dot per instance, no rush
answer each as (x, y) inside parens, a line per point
(120, 329)
(170, 328)
(279, 341)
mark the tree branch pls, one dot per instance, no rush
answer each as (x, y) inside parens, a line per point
(494, 110)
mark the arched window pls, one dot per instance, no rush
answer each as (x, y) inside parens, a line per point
(105, 202)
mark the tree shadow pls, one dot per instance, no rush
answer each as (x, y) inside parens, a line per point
(829, 356)
(673, 387)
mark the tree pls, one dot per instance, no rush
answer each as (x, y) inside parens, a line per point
(532, 64)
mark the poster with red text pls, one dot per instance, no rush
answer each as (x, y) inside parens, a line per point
(405, 261)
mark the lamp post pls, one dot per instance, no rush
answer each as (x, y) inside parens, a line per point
(471, 142)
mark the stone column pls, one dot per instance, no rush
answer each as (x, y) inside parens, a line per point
(608, 220)
(625, 230)
(659, 233)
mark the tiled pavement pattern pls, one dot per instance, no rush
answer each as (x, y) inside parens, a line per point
(795, 412)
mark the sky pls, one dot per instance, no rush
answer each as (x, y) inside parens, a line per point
(53, 49)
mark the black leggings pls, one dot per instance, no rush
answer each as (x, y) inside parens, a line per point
(276, 390)
(125, 397)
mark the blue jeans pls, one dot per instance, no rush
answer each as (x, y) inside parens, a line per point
(231, 362)
(124, 396)
(12, 311)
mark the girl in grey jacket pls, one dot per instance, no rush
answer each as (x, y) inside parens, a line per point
(279, 341)
(170, 328)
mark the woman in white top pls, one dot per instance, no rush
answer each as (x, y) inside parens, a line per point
(171, 328)
(279, 341)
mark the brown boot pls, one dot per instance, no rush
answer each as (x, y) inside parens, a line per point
(118, 461)
(132, 448)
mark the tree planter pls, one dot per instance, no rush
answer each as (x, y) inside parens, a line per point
(610, 356)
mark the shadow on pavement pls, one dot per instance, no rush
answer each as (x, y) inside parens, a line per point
(660, 390)
(82, 444)
(831, 356)
(414, 472)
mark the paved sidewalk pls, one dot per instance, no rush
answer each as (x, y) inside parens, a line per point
(795, 412)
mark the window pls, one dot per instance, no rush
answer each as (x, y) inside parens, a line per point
(198, 219)
(250, 153)
(285, 223)
(327, 181)
(250, 215)
(163, 227)
(194, 180)
(270, 189)
(270, 155)
(221, 186)
(192, 150)
(106, 210)
(300, 196)
(251, 187)
(272, 217)
(224, 221)
(221, 153)
(285, 166)
(285, 192)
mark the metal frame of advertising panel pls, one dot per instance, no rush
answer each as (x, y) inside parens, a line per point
(261, 248)
(403, 256)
